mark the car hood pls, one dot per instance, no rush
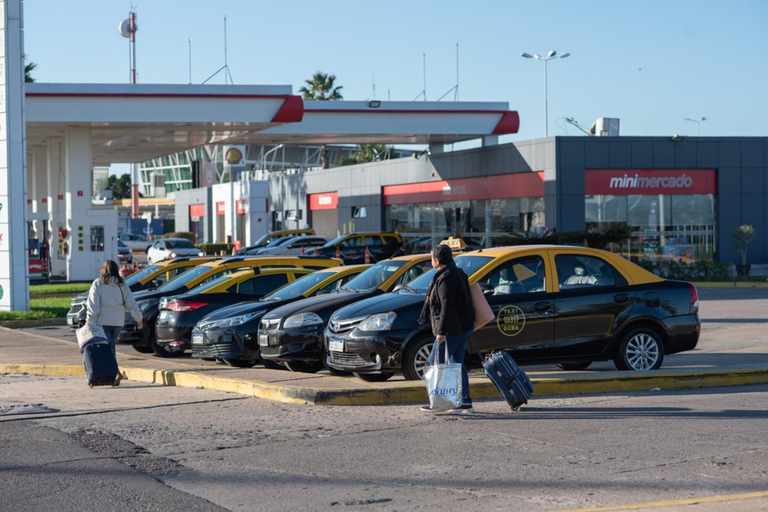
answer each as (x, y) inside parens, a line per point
(242, 308)
(317, 304)
(381, 304)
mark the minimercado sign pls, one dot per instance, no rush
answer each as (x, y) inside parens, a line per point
(651, 181)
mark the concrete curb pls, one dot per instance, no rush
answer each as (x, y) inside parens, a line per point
(544, 387)
(39, 322)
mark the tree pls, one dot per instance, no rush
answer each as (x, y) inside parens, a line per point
(322, 87)
(120, 187)
(28, 68)
(369, 153)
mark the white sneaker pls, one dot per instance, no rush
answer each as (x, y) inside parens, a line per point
(464, 409)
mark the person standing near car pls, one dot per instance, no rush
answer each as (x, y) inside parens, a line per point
(450, 311)
(108, 302)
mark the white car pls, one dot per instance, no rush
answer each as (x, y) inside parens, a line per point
(135, 242)
(292, 246)
(171, 248)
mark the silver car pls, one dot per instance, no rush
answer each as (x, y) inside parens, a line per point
(135, 242)
(292, 246)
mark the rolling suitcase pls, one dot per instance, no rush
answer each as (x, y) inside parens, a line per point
(100, 364)
(508, 378)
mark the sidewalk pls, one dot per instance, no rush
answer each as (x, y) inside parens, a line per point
(40, 355)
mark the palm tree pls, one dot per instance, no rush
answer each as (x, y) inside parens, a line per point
(28, 68)
(321, 87)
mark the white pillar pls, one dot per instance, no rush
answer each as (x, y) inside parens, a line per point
(14, 263)
(490, 140)
(30, 186)
(78, 196)
(39, 188)
(56, 182)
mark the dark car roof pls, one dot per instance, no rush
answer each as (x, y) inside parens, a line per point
(316, 304)
(382, 304)
(242, 308)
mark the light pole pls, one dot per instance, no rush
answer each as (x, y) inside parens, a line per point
(698, 124)
(551, 55)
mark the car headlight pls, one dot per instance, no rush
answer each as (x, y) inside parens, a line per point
(230, 322)
(302, 319)
(173, 255)
(378, 322)
(200, 253)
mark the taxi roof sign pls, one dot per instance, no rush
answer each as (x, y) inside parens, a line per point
(456, 244)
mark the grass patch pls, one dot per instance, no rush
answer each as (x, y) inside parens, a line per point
(48, 289)
(51, 307)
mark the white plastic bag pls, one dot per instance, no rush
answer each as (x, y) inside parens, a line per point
(90, 333)
(443, 381)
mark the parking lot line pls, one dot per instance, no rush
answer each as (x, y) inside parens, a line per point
(673, 503)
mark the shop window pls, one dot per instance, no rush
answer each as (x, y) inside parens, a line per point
(292, 214)
(97, 238)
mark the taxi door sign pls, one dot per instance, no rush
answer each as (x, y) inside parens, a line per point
(510, 320)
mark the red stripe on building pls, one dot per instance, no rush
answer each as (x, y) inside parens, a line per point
(529, 184)
(241, 206)
(291, 111)
(650, 181)
(325, 201)
(197, 210)
(509, 123)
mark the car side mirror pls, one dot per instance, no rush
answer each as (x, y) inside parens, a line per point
(398, 288)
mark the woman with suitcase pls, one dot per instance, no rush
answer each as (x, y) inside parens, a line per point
(108, 302)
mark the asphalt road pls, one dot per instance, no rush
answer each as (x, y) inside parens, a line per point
(142, 447)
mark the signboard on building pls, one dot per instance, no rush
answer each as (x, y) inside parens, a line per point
(503, 186)
(650, 181)
(325, 201)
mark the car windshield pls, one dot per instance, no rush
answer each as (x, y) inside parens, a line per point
(278, 242)
(121, 244)
(299, 286)
(374, 277)
(335, 241)
(179, 244)
(138, 276)
(207, 286)
(182, 279)
(469, 264)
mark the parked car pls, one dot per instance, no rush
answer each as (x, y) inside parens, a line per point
(124, 253)
(293, 333)
(148, 278)
(135, 242)
(166, 248)
(352, 246)
(274, 235)
(553, 304)
(292, 246)
(145, 340)
(179, 313)
(231, 333)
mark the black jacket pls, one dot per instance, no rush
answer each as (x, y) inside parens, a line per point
(449, 303)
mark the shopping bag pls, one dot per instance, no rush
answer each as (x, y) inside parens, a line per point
(443, 383)
(483, 312)
(90, 333)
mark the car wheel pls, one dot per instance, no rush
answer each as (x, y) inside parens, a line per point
(273, 365)
(239, 363)
(164, 350)
(416, 358)
(374, 377)
(304, 366)
(574, 365)
(640, 349)
(143, 349)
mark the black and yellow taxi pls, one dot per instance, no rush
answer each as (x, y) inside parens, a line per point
(148, 278)
(352, 247)
(275, 235)
(552, 304)
(230, 333)
(179, 313)
(145, 339)
(293, 334)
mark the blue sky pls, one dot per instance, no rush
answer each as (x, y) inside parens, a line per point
(649, 63)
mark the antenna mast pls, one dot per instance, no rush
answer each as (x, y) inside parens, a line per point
(455, 88)
(424, 90)
(225, 67)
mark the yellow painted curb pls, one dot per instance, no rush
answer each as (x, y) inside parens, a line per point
(543, 386)
(672, 503)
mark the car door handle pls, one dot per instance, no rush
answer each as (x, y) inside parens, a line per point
(541, 306)
(621, 297)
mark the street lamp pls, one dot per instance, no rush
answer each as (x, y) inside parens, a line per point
(698, 124)
(551, 55)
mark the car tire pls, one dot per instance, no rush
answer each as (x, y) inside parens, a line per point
(640, 349)
(143, 349)
(163, 350)
(273, 365)
(574, 366)
(416, 357)
(374, 377)
(304, 366)
(239, 363)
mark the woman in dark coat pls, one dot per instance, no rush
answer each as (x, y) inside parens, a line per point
(450, 311)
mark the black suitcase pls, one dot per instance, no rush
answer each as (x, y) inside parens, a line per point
(100, 364)
(508, 378)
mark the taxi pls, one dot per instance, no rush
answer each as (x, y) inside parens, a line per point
(148, 278)
(552, 304)
(353, 246)
(293, 334)
(275, 235)
(145, 340)
(230, 334)
(179, 313)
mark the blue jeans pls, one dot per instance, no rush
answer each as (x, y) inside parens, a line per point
(112, 333)
(457, 347)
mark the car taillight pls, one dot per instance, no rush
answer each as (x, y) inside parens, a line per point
(182, 306)
(694, 299)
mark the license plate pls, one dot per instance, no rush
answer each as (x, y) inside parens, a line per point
(263, 340)
(163, 316)
(197, 339)
(336, 345)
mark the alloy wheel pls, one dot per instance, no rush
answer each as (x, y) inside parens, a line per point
(642, 352)
(421, 360)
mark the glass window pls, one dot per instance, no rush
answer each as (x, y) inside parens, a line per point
(179, 244)
(300, 286)
(521, 275)
(580, 271)
(414, 272)
(260, 285)
(370, 279)
(469, 264)
(372, 240)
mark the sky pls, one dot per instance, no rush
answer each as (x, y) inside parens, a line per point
(650, 63)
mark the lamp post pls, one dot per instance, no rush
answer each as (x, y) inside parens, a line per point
(698, 124)
(551, 55)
